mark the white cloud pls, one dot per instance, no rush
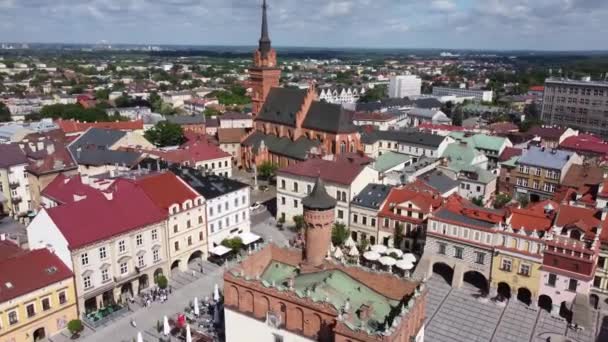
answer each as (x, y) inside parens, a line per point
(443, 5)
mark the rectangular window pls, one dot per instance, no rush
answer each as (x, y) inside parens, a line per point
(524, 270)
(355, 218)
(46, 304)
(480, 258)
(12, 318)
(175, 228)
(189, 240)
(458, 252)
(102, 253)
(62, 297)
(295, 203)
(601, 262)
(442, 248)
(155, 255)
(295, 186)
(86, 280)
(140, 261)
(340, 214)
(154, 234)
(572, 284)
(31, 310)
(84, 258)
(139, 240)
(283, 200)
(124, 268)
(373, 223)
(121, 246)
(308, 188)
(200, 220)
(364, 220)
(176, 244)
(506, 265)
(597, 282)
(105, 275)
(552, 280)
(188, 224)
(210, 211)
(226, 206)
(236, 202)
(386, 223)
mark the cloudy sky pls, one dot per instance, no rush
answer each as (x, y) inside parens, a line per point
(479, 24)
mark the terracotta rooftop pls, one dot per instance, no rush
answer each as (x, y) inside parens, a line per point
(340, 171)
(584, 218)
(65, 189)
(43, 269)
(74, 126)
(509, 152)
(192, 153)
(231, 135)
(426, 200)
(585, 143)
(166, 189)
(538, 216)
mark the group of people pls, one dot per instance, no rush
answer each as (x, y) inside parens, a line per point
(156, 294)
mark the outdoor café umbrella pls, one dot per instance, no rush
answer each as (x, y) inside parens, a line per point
(353, 251)
(140, 338)
(338, 253)
(380, 249)
(166, 327)
(216, 293)
(396, 251)
(371, 256)
(409, 257)
(404, 265)
(350, 242)
(387, 261)
(188, 334)
(196, 309)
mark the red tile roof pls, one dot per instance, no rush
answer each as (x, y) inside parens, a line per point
(537, 88)
(9, 249)
(166, 189)
(586, 143)
(340, 171)
(583, 218)
(552, 133)
(43, 269)
(425, 199)
(375, 116)
(59, 159)
(99, 218)
(532, 218)
(73, 126)
(503, 127)
(62, 189)
(192, 153)
(463, 206)
(509, 152)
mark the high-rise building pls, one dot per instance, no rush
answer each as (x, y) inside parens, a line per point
(580, 104)
(404, 86)
(264, 74)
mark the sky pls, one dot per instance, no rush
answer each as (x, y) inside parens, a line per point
(442, 24)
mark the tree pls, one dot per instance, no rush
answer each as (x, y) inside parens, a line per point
(523, 201)
(267, 169)
(398, 235)
(299, 221)
(102, 94)
(501, 200)
(123, 101)
(377, 93)
(339, 234)
(165, 133)
(75, 327)
(236, 244)
(5, 114)
(209, 112)
(363, 243)
(161, 281)
(478, 201)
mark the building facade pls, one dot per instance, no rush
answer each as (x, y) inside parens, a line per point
(404, 86)
(479, 95)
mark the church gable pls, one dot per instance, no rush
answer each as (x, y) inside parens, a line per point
(282, 105)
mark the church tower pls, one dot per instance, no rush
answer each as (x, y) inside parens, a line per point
(264, 74)
(319, 217)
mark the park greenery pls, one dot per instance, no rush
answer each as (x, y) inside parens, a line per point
(165, 134)
(339, 234)
(267, 170)
(235, 95)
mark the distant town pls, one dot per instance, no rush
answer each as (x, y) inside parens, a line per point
(188, 193)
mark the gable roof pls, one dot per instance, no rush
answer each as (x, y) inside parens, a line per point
(372, 196)
(509, 152)
(73, 126)
(166, 189)
(329, 117)
(339, 171)
(282, 146)
(550, 133)
(409, 137)
(186, 119)
(98, 137)
(585, 143)
(480, 141)
(99, 218)
(208, 186)
(29, 271)
(11, 155)
(428, 103)
(425, 200)
(281, 105)
(62, 189)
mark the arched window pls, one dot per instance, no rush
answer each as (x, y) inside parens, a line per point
(342, 147)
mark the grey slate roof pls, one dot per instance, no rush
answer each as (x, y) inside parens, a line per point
(409, 137)
(545, 158)
(439, 181)
(329, 117)
(97, 137)
(319, 199)
(186, 119)
(281, 105)
(208, 186)
(282, 146)
(427, 103)
(384, 103)
(372, 196)
(99, 157)
(452, 216)
(11, 155)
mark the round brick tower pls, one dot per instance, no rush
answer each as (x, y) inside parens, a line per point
(319, 216)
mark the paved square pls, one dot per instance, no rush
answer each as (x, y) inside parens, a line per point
(456, 315)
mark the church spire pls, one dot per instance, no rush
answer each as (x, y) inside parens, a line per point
(264, 38)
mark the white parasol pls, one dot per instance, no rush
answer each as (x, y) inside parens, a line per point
(371, 256)
(338, 253)
(196, 309)
(140, 338)
(396, 251)
(380, 249)
(216, 293)
(188, 334)
(166, 327)
(350, 242)
(404, 265)
(353, 251)
(409, 257)
(387, 261)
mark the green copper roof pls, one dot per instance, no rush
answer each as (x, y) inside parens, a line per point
(461, 156)
(480, 141)
(512, 162)
(337, 288)
(389, 160)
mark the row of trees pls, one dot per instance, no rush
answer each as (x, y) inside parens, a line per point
(78, 112)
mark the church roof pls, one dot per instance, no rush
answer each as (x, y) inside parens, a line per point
(329, 117)
(319, 198)
(282, 146)
(281, 106)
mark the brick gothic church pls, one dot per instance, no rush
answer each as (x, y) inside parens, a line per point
(291, 124)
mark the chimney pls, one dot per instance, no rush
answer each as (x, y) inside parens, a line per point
(78, 198)
(3, 237)
(50, 148)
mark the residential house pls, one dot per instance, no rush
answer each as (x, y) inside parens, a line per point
(190, 123)
(235, 120)
(551, 137)
(199, 154)
(364, 209)
(230, 142)
(37, 296)
(491, 146)
(416, 144)
(15, 196)
(418, 116)
(120, 250)
(477, 183)
(382, 121)
(507, 162)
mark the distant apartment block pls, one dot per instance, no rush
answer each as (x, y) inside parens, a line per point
(404, 86)
(478, 95)
(580, 104)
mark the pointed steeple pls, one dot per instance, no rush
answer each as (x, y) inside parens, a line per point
(264, 38)
(319, 199)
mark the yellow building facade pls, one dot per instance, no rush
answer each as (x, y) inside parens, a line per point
(517, 272)
(42, 313)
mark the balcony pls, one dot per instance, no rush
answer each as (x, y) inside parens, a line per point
(17, 200)
(13, 185)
